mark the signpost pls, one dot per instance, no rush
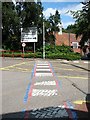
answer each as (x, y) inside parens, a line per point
(23, 45)
(29, 35)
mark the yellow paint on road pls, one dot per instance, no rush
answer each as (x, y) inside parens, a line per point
(71, 69)
(12, 66)
(24, 69)
(74, 77)
(81, 101)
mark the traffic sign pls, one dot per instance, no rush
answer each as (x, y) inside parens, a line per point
(23, 44)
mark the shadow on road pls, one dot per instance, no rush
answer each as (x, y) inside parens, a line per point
(55, 113)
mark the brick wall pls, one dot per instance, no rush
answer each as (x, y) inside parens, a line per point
(64, 39)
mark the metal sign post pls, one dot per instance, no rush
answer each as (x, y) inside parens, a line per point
(23, 45)
(34, 47)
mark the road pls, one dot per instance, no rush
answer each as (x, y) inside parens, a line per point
(37, 88)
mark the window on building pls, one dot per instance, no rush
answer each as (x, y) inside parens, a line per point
(75, 44)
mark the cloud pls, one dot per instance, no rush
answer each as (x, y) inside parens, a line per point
(64, 10)
(65, 24)
(73, 7)
(63, 1)
(49, 11)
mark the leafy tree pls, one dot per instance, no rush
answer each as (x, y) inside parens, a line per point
(24, 14)
(10, 24)
(52, 26)
(30, 14)
(70, 28)
(82, 22)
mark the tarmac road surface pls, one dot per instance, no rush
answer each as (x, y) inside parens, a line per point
(37, 88)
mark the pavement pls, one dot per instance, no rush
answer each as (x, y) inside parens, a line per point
(37, 88)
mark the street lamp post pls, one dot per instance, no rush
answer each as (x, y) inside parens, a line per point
(43, 41)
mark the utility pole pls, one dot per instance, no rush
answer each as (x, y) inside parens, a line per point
(69, 37)
(43, 41)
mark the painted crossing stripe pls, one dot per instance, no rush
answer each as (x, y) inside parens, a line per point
(65, 61)
(42, 66)
(43, 74)
(76, 61)
(45, 83)
(44, 92)
(86, 62)
(42, 70)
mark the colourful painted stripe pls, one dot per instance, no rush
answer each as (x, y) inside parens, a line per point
(34, 74)
(29, 85)
(58, 82)
(70, 110)
(26, 95)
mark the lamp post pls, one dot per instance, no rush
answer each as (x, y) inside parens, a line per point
(43, 40)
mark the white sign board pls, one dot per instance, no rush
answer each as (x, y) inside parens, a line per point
(29, 34)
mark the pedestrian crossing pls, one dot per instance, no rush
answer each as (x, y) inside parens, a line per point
(43, 80)
(43, 69)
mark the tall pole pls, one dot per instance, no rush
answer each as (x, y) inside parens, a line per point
(34, 47)
(69, 37)
(43, 41)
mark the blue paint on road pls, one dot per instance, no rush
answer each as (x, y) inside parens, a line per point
(59, 82)
(27, 91)
(74, 115)
(29, 85)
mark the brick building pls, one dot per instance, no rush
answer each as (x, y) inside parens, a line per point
(68, 39)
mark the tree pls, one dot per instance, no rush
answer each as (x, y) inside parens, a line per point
(82, 22)
(31, 16)
(24, 14)
(70, 28)
(52, 26)
(10, 24)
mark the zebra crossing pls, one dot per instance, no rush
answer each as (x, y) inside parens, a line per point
(43, 83)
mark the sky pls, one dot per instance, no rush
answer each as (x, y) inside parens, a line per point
(63, 6)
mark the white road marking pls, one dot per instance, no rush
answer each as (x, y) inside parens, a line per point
(42, 69)
(86, 62)
(65, 61)
(43, 74)
(42, 66)
(39, 92)
(45, 83)
(76, 61)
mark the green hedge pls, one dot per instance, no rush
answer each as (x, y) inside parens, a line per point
(61, 52)
(25, 55)
(51, 52)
